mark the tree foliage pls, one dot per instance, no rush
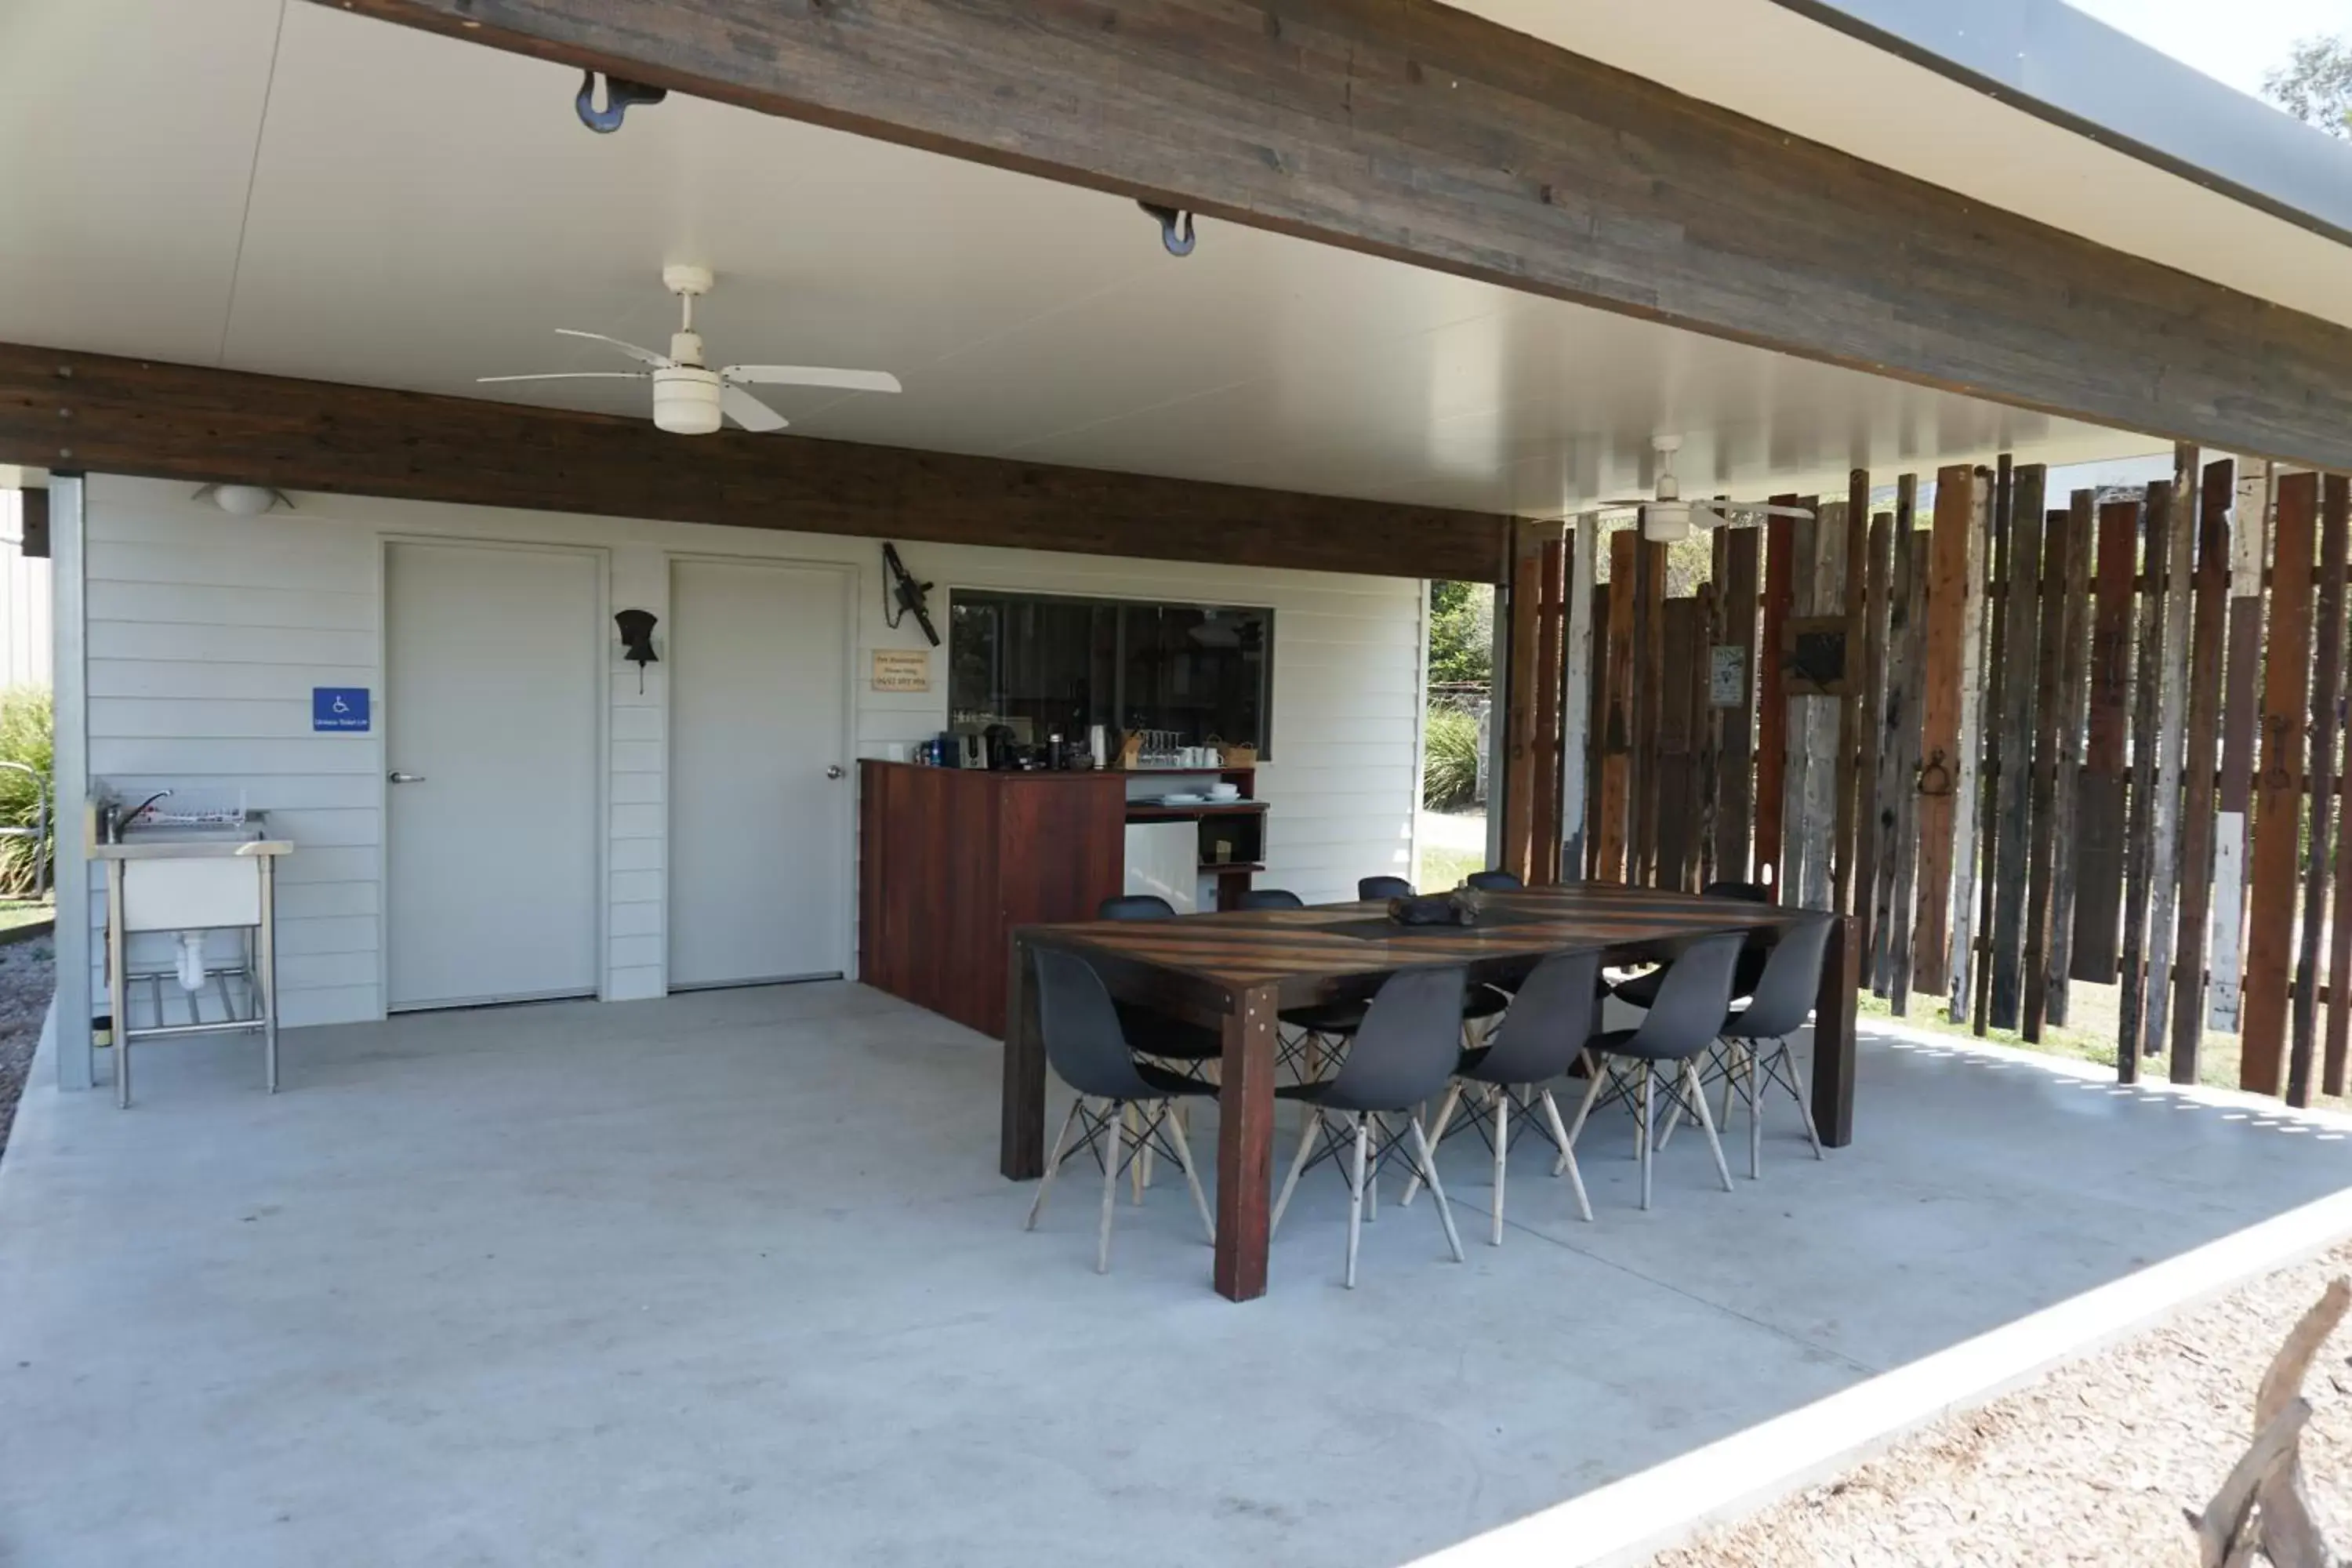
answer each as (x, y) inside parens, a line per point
(2316, 84)
(1461, 632)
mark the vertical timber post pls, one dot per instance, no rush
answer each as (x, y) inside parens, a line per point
(2278, 806)
(2074, 694)
(2208, 635)
(2250, 529)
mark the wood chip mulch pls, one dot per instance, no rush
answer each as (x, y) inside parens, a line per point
(2094, 1464)
(25, 983)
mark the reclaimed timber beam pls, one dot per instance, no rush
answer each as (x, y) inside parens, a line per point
(1736, 747)
(1962, 765)
(1576, 698)
(2042, 878)
(1522, 687)
(2250, 530)
(1422, 134)
(2099, 857)
(1649, 695)
(2278, 805)
(2171, 720)
(1676, 788)
(1551, 679)
(1871, 896)
(1997, 645)
(1947, 664)
(2140, 829)
(1772, 699)
(1706, 728)
(1615, 794)
(2326, 723)
(2074, 695)
(1857, 735)
(1908, 634)
(2200, 768)
(2335, 502)
(158, 420)
(2020, 674)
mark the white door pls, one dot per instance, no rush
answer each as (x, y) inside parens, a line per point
(759, 815)
(490, 734)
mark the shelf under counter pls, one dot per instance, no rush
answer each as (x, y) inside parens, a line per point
(1138, 811)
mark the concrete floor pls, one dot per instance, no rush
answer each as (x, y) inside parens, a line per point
(729, 1279)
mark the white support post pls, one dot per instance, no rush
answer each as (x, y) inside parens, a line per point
(69, 555)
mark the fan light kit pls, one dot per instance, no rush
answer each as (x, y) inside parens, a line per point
(690, 399)
(1666, 516)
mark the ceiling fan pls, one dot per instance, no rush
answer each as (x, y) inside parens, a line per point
(689, 399)
(1666, 516)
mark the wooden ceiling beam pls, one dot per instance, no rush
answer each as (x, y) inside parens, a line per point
(96, 414)
(1411, 130)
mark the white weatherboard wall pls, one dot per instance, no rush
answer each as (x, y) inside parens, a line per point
(206, 633)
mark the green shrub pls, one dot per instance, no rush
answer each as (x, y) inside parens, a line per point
(1449, 744)
(25, 737)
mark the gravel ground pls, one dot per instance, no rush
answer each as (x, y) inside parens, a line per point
(24, 998)
(2092, 1464)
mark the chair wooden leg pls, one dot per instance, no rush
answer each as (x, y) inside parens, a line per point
(1053, 1164)
(1706, 1121)
(1445, 1108)
(1356, 1196)
(1804, 1107)
(1566, 1155)
(1114, 1132)
(1184, 1143)
(1436, 1189)
(1597, 1072)
(1640, 1133)
(1502, 1159)
(1748, 1055)
(1372, 1173)
(1290, 1183)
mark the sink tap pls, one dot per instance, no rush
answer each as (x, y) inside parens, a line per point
(124, 819)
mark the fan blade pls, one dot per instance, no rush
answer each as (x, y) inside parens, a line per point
(813, 375)
(749, 411)
(569, 375)
(642, 356)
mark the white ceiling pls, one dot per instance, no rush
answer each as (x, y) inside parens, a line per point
(282, 187)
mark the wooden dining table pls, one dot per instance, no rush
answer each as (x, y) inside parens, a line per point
(1238, 971)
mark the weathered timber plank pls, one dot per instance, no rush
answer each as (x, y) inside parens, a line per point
(1771, 697)
(2099, 855)
(1675, 789)
(1797, 759)
(2208, 635)
(2335, 502)
(2278, 804)
(1736, 793)
(2019, 679)
(2041, 789)
(1615, 834)
(1521, 692)
(2139, 827)
(1576, 699)
(1551, 641)
(1429, 135)
(2250, 530)
(1971, 800)
(1824, 772)
(1856, 732)
(175, 422)
(2171, 718)
(1998, 645)
(2327, 724)
(1875, 875)
(1649, 696)
(1706, 722)
(1898, 743)
(1952, 592)
(2074, 695)
(1602, 712)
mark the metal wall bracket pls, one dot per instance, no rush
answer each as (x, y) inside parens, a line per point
(621, 95)
(1167, 219)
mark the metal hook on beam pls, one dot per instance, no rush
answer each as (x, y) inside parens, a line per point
(621, 95)
(1166, 217)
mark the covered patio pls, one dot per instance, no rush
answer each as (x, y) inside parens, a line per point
(737, 1262)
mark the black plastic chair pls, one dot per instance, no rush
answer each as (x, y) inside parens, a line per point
(1642, 989)
(1269, 898)
(1493, 883)
(1091, 1054)
(1155, 1034)
(1406, 1049)
(1538, 1041)
(1783, 1000)
(1378, 889)
(1693, 1000)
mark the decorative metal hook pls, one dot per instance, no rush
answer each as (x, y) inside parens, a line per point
(1939, 771)
(621, 95)
(1166, 217)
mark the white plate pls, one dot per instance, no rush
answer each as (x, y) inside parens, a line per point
(1184, 799)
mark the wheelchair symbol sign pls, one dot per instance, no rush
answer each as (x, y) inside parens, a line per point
(339, 708)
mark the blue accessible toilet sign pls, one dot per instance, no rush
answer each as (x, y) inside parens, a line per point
(339, 708)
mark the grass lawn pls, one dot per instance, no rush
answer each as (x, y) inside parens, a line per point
(14, 913)
(1442, 870)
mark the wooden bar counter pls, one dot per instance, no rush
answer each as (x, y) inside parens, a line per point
(951, 859)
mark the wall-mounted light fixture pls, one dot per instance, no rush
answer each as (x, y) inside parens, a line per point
(636, 629)
(243, 500)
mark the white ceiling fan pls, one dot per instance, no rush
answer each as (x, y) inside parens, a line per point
(1666, 516)
(689, 399)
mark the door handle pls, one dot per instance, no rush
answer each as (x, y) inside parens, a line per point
(396, 776)
(834, 772)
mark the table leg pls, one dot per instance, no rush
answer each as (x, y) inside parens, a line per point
(1021, 1140)
(1246, 1142)
(1833, 1016)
